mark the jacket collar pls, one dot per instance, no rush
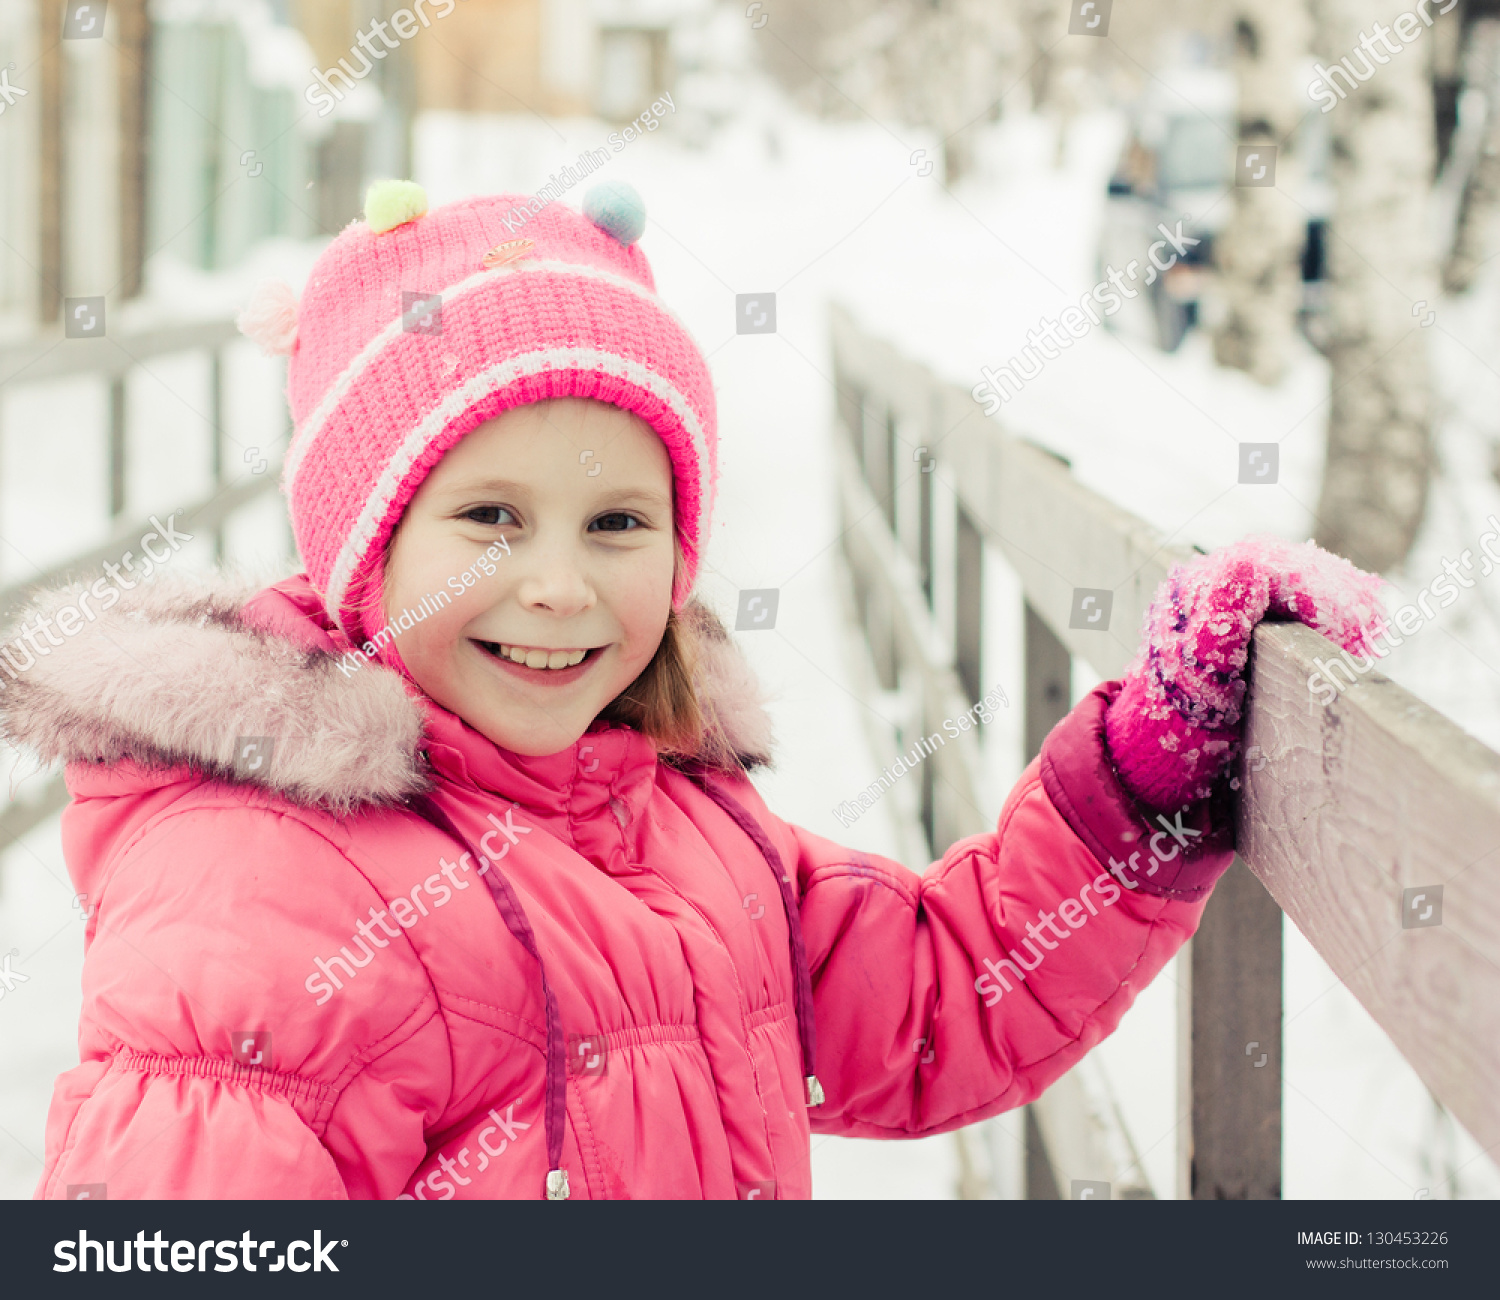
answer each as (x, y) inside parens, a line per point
(213, 664)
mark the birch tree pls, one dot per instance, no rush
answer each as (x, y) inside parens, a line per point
(1382, 281)
(1259, 250)
(942, 64)
(1479, 206)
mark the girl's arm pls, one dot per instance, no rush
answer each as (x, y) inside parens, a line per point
(945, 998)
(208, 1070)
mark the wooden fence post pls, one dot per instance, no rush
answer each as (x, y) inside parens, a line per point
(1048, 683)
(216, 436)
(968, 613)
(1236, 1043)
(50, 162)
(134, 97)
(117, 447)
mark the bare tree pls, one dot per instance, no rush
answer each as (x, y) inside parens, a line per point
(1382, 275)
(1258, 252)
(1479, 205)
(942, 64)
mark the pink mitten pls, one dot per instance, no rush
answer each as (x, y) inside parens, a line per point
(1175, 726)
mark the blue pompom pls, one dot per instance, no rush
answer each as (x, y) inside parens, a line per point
(616, 209)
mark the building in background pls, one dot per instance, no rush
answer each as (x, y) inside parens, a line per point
(72, 155)
(607, 58)
(197, 128)
(136, 128)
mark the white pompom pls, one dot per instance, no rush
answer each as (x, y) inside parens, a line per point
(270, 318)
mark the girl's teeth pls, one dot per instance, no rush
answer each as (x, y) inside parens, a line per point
(543, 658)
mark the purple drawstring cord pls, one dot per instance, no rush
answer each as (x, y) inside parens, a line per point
(515, 921)
(802, 978)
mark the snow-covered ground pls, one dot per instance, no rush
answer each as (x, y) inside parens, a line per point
(776, 203)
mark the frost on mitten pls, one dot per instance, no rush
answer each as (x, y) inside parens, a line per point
(1176, 725)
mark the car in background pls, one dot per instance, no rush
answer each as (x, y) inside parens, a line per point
(1177, 165)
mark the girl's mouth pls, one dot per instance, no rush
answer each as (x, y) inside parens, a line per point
(570, 668)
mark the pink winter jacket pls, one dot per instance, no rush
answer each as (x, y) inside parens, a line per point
(297, 985)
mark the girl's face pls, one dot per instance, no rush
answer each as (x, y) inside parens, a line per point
(581, 493)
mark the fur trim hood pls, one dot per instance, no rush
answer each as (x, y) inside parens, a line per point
(178, 672)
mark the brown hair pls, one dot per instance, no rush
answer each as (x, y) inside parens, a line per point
(662, 703)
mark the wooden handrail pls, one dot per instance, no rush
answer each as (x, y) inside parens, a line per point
(111, 358)
(1348, 807)
(59, 357)
(208, 513)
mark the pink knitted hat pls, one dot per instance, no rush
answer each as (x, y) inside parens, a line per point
(536, 302)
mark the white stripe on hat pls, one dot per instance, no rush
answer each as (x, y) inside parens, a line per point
(487, 381)
(313, 426)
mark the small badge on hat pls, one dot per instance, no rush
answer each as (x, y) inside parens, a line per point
(509, 251)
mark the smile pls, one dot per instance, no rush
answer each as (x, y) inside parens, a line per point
(537, 663)
(535, 656)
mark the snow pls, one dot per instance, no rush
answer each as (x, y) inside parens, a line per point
(817, 212)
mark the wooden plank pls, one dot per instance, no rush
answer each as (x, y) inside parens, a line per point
(1348, 806)
(208, 513)
(132, 51)
(56, 357)
(1048, 684)
(1041, 1185)
(1236, 1043)
(881, 566)
(216, 438)
(926, 467)
(1059, 537)
(50, 162)
(1084, 1137)
(968, 631)
(1343, 808)
(118, 450)
(1057, 534)
(1074, 1130)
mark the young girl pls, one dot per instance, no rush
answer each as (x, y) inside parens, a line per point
(435, 872)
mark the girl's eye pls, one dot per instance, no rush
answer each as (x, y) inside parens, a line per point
(487, 514)
(617, 515)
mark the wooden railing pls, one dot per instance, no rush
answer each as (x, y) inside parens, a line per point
(110, 359)
(1343, 809)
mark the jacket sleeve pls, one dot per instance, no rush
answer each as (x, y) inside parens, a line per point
(945, 998)
(208, 1067)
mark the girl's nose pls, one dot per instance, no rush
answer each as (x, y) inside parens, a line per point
(555, 581)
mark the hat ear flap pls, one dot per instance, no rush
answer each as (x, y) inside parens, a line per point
(270, 318)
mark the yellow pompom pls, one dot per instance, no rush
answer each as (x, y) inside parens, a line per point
(389, 204)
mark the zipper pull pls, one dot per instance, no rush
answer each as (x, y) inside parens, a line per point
(557, 1184)
(814, 1091)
